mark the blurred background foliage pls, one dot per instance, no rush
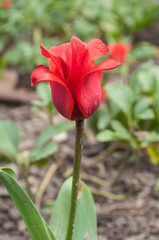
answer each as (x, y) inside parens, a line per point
(24, 25)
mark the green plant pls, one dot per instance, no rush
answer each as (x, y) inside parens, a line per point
(27, 24)
(39, 155)
(45, 101)
(36, 225)
(130, 115)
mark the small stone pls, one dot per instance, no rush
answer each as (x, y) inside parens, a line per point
(21, 226)
(14, 214)
(4, 236)
(8, 225)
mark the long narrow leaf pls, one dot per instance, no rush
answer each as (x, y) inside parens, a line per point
(34, 222)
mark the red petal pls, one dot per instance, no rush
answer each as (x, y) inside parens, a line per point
(60, 93)
(63, 51)
(78, 49)
(108, 64)
(57, 65)
(62, 100)
(44, 52)
(88, 93)
(96, 49)
(119, 50)
(41, 74)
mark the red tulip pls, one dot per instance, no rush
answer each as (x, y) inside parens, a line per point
(74, 78)
(104, 95)
(6, 4)
(119, 50)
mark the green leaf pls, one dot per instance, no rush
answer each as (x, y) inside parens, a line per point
(43, 151)
(9, 138)
(106, 136)
(122, 96)
(118, 127)
(10, 172)
(152, 137)
(144, 50)
(34, 222)
(44, 145)
(52, 131)
(119, 135)
(142, 105)
(104, 120)
(44, 91)
(146, 115)
(146, 79)
(85, 222)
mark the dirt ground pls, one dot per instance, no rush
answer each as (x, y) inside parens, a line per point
(136, 218)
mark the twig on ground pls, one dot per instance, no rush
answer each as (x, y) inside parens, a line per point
(94, 179)
(108, 151)
(121, 169)
(45, 183)
(112, 196)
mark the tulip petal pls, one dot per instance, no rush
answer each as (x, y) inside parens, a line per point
(57, 65)
(88, 93)
(108, 64)
(41, 74)
(60, 93)
(62, 100)
(63, 51)
(119, 50)
(78, 49)
(44, 52)
(96, 49)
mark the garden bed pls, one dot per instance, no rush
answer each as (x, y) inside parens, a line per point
(135, 218)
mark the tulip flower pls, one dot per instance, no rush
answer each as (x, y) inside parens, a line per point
(104, 95)
(119, 50)
(74, 78)
(6, 4)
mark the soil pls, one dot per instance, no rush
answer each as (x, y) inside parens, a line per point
(135, 218)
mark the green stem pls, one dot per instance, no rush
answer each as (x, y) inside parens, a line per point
(76, 177)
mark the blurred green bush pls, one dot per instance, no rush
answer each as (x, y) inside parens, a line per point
(131, 113)
(26, 24)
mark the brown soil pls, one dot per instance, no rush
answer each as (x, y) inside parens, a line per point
(136, 218)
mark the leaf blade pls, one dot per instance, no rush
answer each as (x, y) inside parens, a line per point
(33, 221)
(9, 139)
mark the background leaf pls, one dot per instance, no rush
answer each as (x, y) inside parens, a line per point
(43, 152)
(44, 145)
(9, 138)
(85, 222)
(142, 105)
(122, 96)
(52, 131)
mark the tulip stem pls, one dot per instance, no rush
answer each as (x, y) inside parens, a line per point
(76, 177)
